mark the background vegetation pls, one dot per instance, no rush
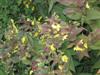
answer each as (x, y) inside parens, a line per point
(49, 37)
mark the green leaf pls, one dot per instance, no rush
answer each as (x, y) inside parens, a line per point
(71, 65)
(41, 64)
(38, 1)
(95, 45)
(97, 25)
(64, 45)
(93, 14)
(2, 72)
(19, 2)
(71, 62)
(69, 73)
(26, 61)
(51, 4)
(85, 74)
(75, 16)
(72, 13)
(1, 49)
(97, 64)
(59, 10)
(36, 44)
(3, 2)
(94, 24)
(76, 63)
(98, 53)
(42, 10)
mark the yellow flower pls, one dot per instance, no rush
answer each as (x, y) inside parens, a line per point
(24, 2)
(16, 47)
(65, 37)
(36, 34)
(56, 26)
(14, 26)
(40, 18)
(33, 8)
(15, 50)
(52, 47)
(55, 32)
(64, 58)
(77, 48)
(81, 41)
(27, 54)
(31, 72)
(8, 54)
(28, 19)
(24, 39)
(27, 6)
(57, 35)
(32, 22)
(85, 45)
(87, 5)
(60, 67)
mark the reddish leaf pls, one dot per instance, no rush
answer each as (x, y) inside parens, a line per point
(82, 54)
(79, 3)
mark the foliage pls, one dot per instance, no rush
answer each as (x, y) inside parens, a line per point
(49, 37)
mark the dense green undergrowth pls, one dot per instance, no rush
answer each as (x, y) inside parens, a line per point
(49, 37)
